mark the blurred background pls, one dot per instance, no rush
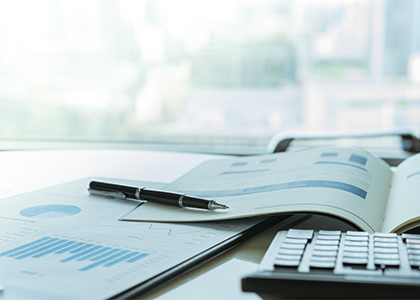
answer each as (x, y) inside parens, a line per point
(214, 73)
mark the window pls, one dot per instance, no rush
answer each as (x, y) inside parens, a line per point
(206, 72)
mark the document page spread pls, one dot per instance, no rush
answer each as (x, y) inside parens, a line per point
(61, 243)
(403, 210)
(344, 182)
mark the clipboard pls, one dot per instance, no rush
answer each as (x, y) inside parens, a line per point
(150, 285)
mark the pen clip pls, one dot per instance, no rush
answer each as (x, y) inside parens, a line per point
(107, 194)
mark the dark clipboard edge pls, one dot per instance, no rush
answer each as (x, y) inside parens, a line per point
(194, 262)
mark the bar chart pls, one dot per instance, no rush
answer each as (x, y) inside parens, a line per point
(66, 251)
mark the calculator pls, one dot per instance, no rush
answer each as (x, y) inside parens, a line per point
(336, 264)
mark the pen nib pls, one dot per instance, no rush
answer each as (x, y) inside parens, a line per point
(216, 205)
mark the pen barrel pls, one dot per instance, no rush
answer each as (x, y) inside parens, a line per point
(129, 191)
(161, 197)
(191, 201)
(174, 199)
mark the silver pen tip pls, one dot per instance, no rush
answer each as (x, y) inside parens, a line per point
(216, 205)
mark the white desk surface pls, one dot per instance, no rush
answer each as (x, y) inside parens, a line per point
(23, 171)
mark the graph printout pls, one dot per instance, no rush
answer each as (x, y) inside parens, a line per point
(345, 182)
(61, 243)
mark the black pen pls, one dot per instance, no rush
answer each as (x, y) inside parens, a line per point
(157, 196)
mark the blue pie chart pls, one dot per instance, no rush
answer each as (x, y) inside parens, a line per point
(50, 211)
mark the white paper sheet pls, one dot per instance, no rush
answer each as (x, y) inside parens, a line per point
(53, 244)
(345, 182)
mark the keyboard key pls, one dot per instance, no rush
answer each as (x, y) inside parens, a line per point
(329, 237)
(323, 258)
(410, 236)
(355, 260)
(326, 248)
(385, 240)
(413, 251)
(414, 262)
(386, 256)
(356, 243)
(381, 234)
(386, 245)
(329, 232)
(413, 241)
(295, 241)
(357, 233)
(324, 253)
(357, 238)
(327, 242)
(356, 254)
(288, 257)
(322, 264)
(293, 246)
(387, 262)
(286, 263)
(356, 249)
(385, 250)
(291, 251)
(300, 234)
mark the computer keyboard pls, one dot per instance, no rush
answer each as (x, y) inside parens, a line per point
(335, 264)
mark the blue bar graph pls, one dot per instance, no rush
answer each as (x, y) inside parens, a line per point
(329, 184)
(94, 255)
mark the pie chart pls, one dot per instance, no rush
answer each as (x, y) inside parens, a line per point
(50, 211)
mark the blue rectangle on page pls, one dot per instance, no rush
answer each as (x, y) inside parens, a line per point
(358, 159)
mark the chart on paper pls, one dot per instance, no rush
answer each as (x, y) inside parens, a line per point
(62, 244)
(68, 251)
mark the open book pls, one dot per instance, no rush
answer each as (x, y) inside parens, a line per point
(348, 183)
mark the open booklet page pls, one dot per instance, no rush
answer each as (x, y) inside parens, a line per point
(403, 211)
(344, 182)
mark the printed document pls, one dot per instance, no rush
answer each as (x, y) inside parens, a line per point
(61, 243)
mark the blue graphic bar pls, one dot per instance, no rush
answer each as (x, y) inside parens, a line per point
(121, 259)
(54, 249)
(134, 259)
(329, 154)
(33, 247)
(94, 253)
(414, 174)
(238, 164)
(282, 186)
(358, 159)
(24, 246)
(105, 260)
(241, 172)
(70, 248)
(339, 163)
(100, 255)
(267, 161)
(81, 253)
(41, 249)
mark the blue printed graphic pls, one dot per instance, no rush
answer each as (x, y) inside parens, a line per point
(265, 161)
(329, 154)
(282, 186)
(358, 159)
(243, 172)
(339, 163)
(50, 211)
(237, 164)
(94, 255)
(414, 174)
